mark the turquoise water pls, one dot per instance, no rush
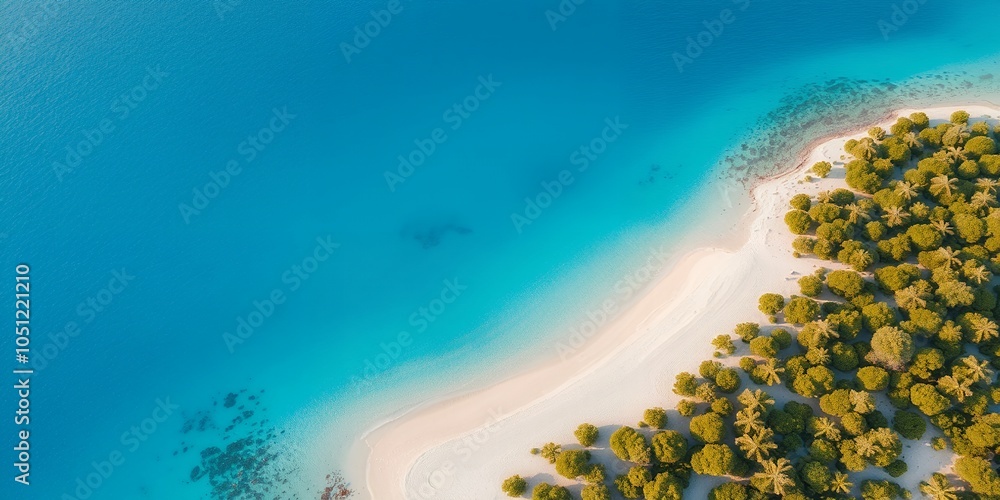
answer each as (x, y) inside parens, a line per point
(159, 100)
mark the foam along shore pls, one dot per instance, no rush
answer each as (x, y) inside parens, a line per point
(463, 448)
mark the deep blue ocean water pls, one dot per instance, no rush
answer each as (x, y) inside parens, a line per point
(391, 291)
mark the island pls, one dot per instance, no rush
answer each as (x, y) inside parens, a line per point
(882, 361)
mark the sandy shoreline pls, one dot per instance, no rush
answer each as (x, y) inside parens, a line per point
(463, 447)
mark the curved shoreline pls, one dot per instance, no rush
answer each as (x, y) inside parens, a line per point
(392, 452)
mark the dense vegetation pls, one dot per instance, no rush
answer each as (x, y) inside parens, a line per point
(897, 344)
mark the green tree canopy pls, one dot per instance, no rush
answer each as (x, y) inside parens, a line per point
(685, 384)
(714, 460)
(708, 428)
(663, 487)
(728, 380)
(631, 446)
(655, 417)
(822, 168)
(765, 347)
(801, 201)
(514, 486)
(801, 310)
(909, 425)
(891, 347)
(734, 491)
(873, 378)
(771, 303)
(595, 492)
(573, 463)
(747, 331)
(545, 491)
(928, 399)
(798, 221)
(669, 446)
(979, 474)
(880, 489)
(586, 434)
(847, 284)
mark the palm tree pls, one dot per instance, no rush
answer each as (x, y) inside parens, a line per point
(943, 184)
(866, 147)
(775, 475)
(824, 197)
(865, 446)
(983, 329)
(979, 274)
(955, 135)
(951, 256)
(748, 444)
(862, 401)
(910, 298)
(883, 435)
(912, 141)
(987, 185)
(961, 130)
(826, 428)
(981, 199)
(550, 451)
(748, 420)
(906, 190)
(771, 372)
(955, 155)
(954, 387)
(767, 446)
(939, 488)
(977, 370)
(856, 213)
(943, 227)
(755, 399)
(757, 447)
(895, 216)
(826, 330)
(840, 483)
(818, 356)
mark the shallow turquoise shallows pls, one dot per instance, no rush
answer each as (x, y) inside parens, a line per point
(257, 226)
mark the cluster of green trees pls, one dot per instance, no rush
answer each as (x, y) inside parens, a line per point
(907, 320)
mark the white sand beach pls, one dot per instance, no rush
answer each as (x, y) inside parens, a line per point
(463, 448)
